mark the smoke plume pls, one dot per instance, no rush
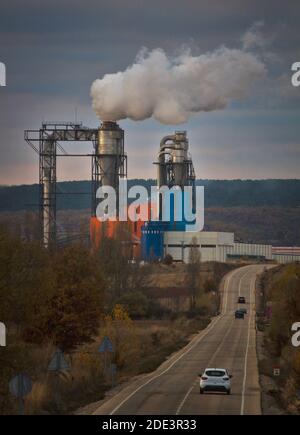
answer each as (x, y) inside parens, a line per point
(172, 89)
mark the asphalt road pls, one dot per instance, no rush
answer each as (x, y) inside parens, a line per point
(173, 389)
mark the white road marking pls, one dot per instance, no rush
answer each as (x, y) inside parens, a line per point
(204, 334)
(252, 287)
(185, 398)
(167, 369)
(240, 284)
(212, 358)
(208, 365)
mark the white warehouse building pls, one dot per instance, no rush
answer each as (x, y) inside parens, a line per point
(221, 247)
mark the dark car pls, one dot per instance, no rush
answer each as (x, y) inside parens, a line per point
(239, 314)
(243, 310)
(241, 300)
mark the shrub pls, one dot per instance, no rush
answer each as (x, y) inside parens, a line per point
(168, 260)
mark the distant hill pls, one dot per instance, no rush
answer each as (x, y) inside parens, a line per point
(218, 193)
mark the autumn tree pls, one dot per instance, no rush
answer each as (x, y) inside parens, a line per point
(121, 330)
(136, 304)
(23, 278)
(122, 275)
(71, 311)
(193, 272)
(115, 262)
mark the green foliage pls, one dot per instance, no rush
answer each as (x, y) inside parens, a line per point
(115, 266)
(24, 278)
(135, 303)
(54, 297)
(281, 228)
(219, 193)
(14, 359)
(193, 273)
(122, 332)
(210, 285)
(281, 287)
(168, 260)
(72, 309)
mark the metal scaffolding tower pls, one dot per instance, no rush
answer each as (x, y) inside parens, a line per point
(109, 163)
(45, 142)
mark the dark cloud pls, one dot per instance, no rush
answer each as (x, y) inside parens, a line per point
(55, 50)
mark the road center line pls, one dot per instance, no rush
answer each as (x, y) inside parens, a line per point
(214, 355)
(205, 332)
(252, 287)
(208, 365)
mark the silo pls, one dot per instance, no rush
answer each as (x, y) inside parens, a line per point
(109, 166)
(172, 160)
(110, 150)
(179, 159)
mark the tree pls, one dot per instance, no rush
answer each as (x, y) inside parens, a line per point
(71, 312)
(135, 303)
(23, 278)
(115, 263)
(209, 285)
(168, 260)
(193, 272)
(122, 332)
(284, 294)
(121, 274)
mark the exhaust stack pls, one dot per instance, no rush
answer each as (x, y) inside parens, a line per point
(110, 161)
(110, 149)
(173, 160)
(175, 166)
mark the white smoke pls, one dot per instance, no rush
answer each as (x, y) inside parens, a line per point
(254, 38)
(171, 90)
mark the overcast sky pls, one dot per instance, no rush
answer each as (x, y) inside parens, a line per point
(54, 50)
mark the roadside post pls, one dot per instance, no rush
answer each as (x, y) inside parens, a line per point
(20, 386)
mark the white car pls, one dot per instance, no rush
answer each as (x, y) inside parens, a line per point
(215, 380)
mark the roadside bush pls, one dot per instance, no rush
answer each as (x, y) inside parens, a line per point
(135, 303)
(168, 260)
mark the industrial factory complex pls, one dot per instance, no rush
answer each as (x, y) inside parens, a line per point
(218, 246)
(148, 240)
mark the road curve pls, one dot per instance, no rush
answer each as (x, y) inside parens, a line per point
(173, 389)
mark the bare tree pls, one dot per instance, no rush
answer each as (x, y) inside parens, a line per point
(193, 272)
